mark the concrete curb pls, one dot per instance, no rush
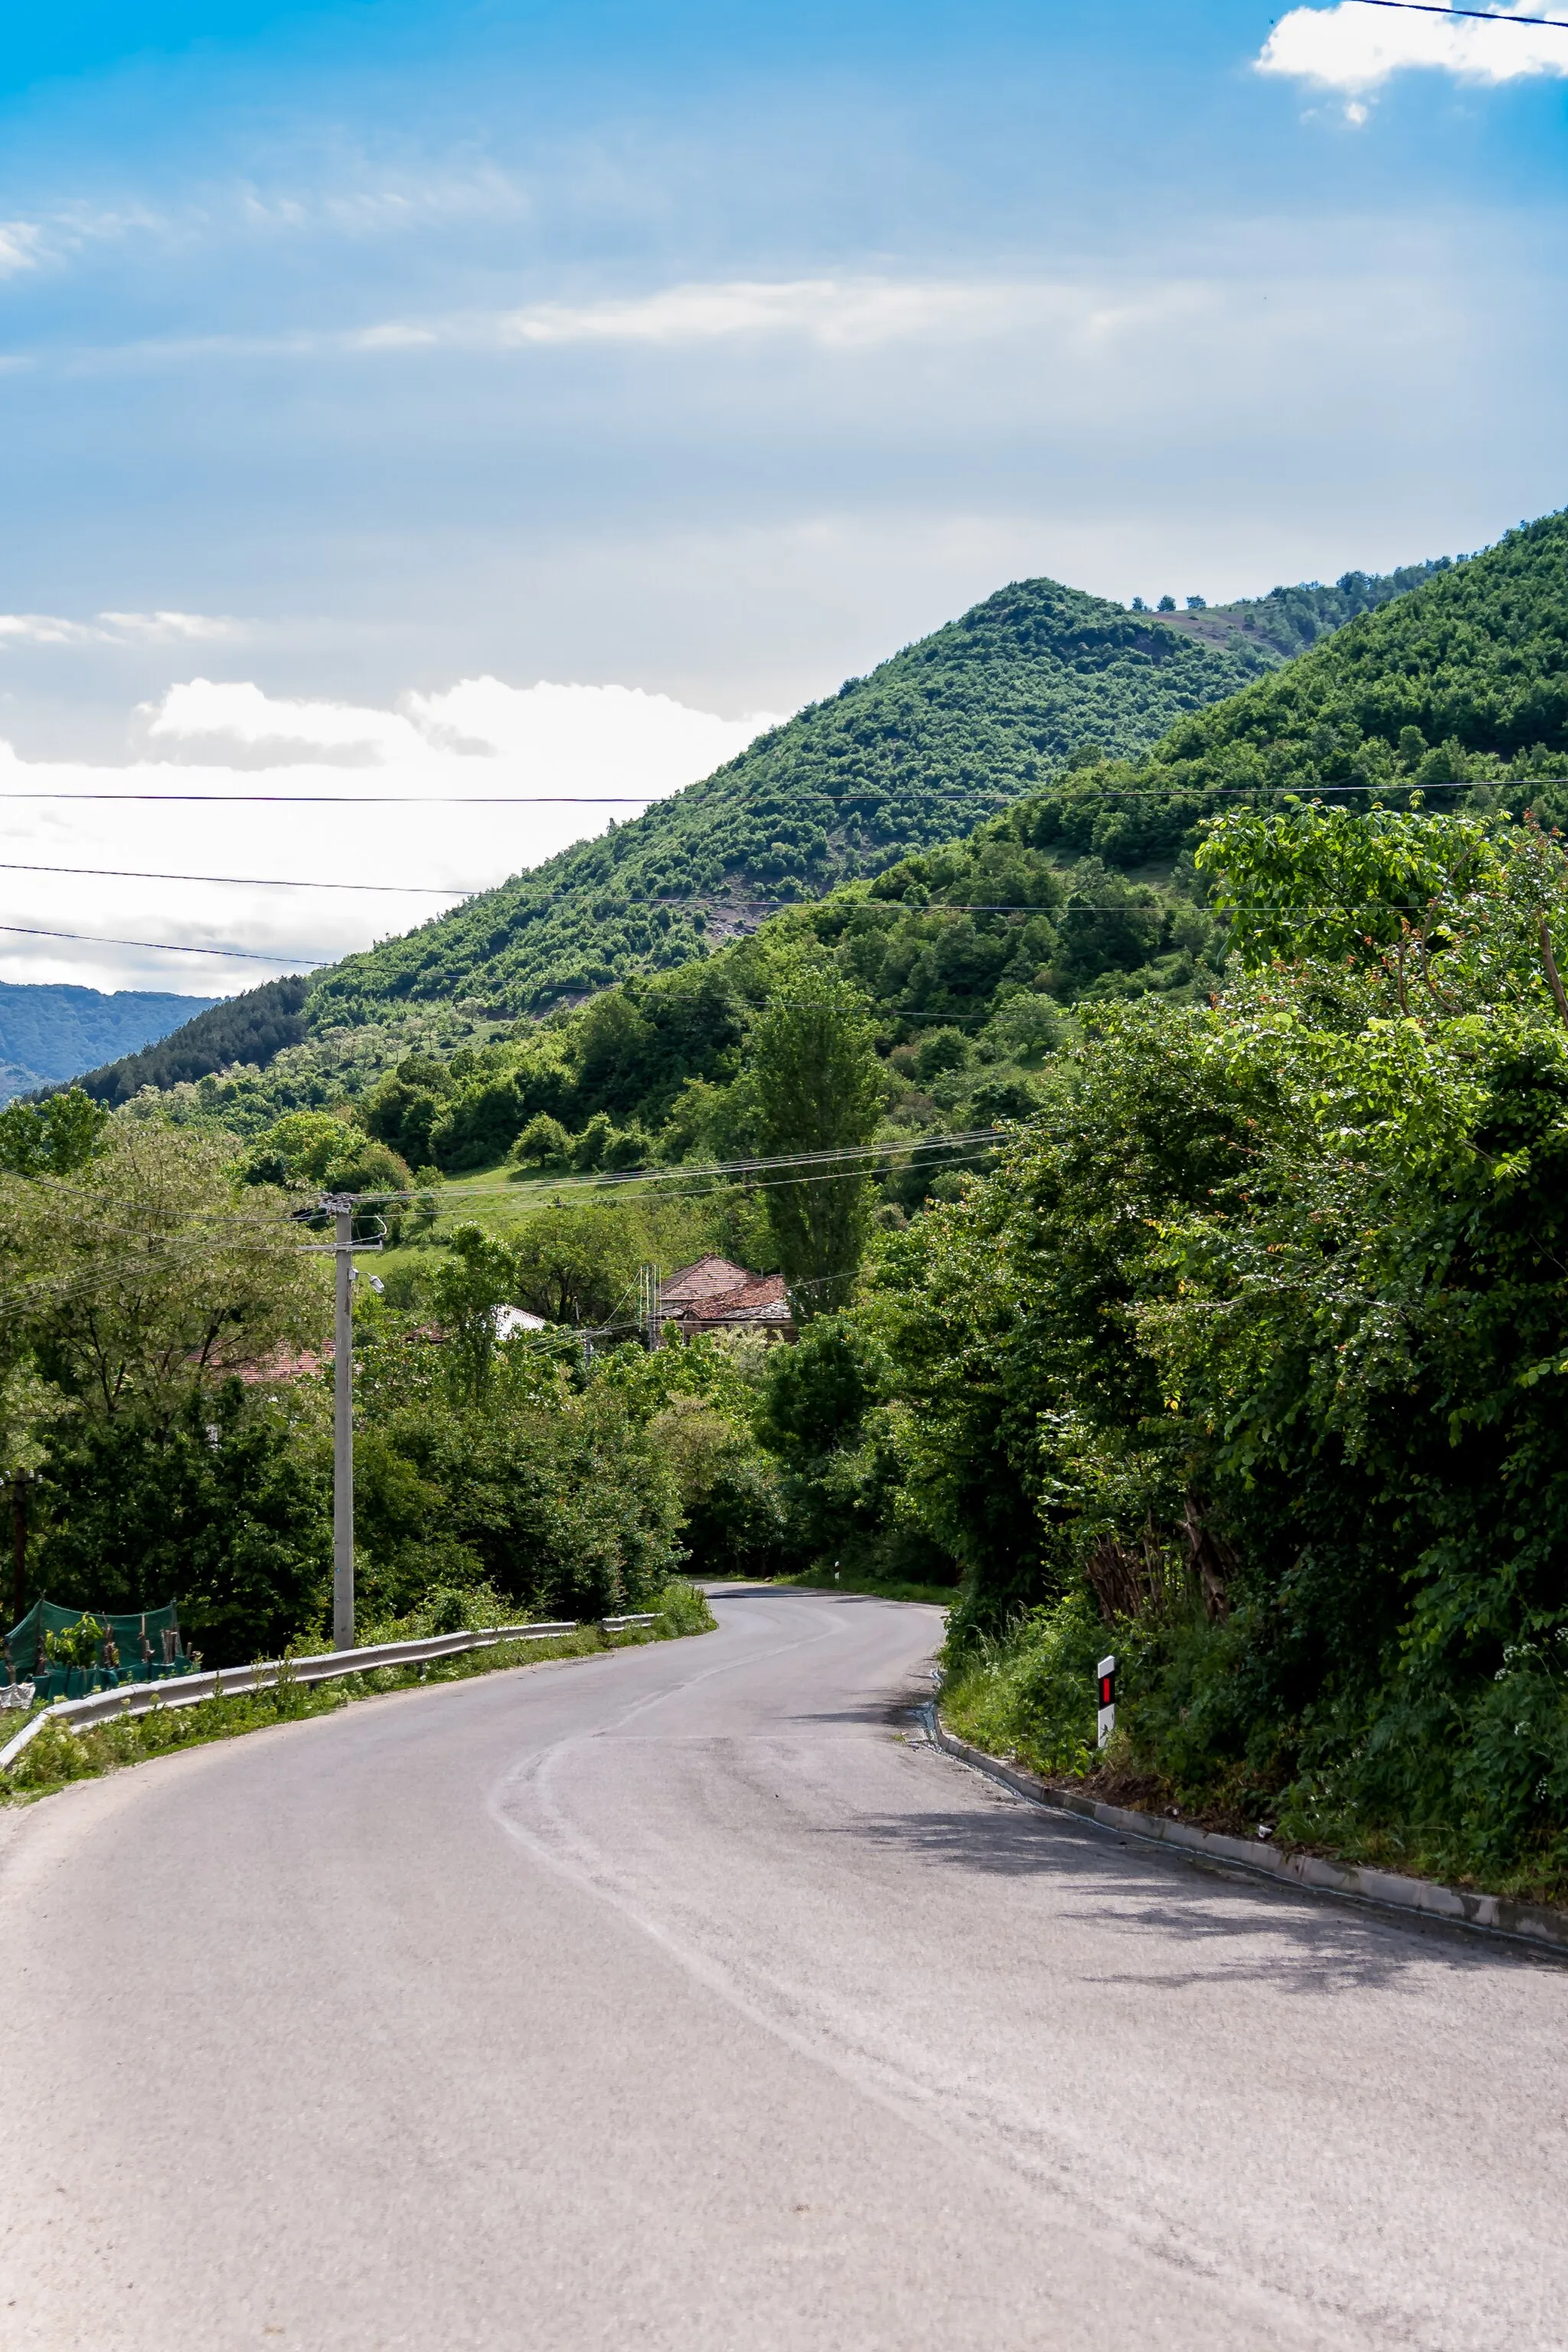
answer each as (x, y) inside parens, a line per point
(1489, 1915)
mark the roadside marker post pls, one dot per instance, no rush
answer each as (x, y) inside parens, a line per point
(1107, 1670)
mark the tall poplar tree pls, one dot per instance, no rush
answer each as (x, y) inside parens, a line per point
(817, 1081)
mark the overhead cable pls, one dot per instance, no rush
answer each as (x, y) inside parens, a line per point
(485, 800)
(1480, 15)
(603, 1179)
(285, 956)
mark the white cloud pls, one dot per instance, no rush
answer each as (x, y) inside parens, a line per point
(171, 628)
(395, 335)
(115, 628)
(842, 314)
(836, 311)
(1356, 50)
(240, 718)
(19, 246)
(47, 629)
(479, 738)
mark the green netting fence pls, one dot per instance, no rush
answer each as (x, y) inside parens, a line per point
(47, 1650)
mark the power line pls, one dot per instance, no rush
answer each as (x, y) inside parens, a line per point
(486, 800)
(671, 1191)
(700, 900)
(1293, 792)
(170, 946)
(178, 1251)
(253, 881)
(365, 800)
(1482, 15)
(984, 1137)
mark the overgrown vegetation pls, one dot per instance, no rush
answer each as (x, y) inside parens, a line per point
(1250, 1351)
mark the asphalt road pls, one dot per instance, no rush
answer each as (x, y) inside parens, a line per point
(682, 1998)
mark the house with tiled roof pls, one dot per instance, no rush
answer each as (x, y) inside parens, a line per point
(714, 1294)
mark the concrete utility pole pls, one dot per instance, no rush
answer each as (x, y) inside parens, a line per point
(342, 1246)
(649, 1296)
(19, 1486)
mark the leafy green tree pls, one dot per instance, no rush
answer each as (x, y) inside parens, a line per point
(54, 1137)
(579, 1264)
(149, 1275)
(816, 1394)
(314, 1151)
(477, 1277)
(224, 1503)
(813, 1072)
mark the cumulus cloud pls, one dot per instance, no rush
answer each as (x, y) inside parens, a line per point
(1356, 50)
(480, 738)
(171, 628)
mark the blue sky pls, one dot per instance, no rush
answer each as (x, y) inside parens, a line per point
(711, 352)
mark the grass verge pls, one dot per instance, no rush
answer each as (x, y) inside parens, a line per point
(1029, 1698)
(59, 1755)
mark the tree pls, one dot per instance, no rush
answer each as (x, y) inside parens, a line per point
(147, 1275)
(311, 1150)
(224, 1503)
(812, 1073)
(578, 1264)
(54, 1138)
(478, 1275)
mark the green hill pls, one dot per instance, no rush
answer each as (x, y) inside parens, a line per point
(961, 724)
(253, 1027)
(1460, 683)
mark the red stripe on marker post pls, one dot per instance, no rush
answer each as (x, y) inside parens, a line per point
(1107, 1672)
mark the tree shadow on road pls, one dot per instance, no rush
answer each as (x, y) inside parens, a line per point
(1246, 1929)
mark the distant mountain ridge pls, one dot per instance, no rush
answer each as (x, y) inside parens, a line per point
(50, 1030)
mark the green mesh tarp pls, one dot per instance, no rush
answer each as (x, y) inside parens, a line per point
(139, 1649)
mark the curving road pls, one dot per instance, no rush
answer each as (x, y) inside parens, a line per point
(683, 1998)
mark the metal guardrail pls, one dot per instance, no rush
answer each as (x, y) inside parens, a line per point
(628, 1625)
(234, 1682)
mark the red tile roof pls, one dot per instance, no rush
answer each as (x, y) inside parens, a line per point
(756, 1298)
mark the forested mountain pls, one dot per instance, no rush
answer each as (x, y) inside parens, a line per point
(1464, 681)
(917, 753)
(936, 739)
(1022, 691)
(249, 1028)
(49, 1031)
